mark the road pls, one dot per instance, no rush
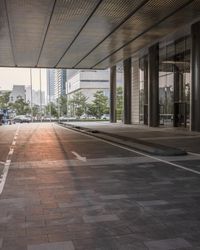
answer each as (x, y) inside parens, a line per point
(64, 190)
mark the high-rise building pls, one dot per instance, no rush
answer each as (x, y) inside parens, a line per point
(17, 92)
(50, 85)
(60, 83)
(56, 84)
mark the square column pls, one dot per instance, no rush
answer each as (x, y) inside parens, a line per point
(135, 92)
(146, 91)
(113, 94)
(195, 71)
(127, 91)
(153, 86)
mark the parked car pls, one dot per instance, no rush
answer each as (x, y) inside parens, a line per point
(63, 118)
(105, 117)
(84, 116)
(21, 119)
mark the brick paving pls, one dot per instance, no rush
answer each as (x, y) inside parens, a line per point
(116, 200)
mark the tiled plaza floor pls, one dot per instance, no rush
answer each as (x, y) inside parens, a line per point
(113, 199)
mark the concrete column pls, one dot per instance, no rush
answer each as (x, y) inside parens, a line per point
(135, 92)
(127, 91)
(195, 71)
(113, 94)
(153, 83)
(146, 90)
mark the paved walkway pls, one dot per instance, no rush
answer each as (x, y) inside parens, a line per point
(69, 191)
(173, 137)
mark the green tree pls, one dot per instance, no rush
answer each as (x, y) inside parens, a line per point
(99, 105)
(51, 109)
(119, 102)
(4, 100)
(21, 107)
(78, 104)
(35, 110)
(63, 105)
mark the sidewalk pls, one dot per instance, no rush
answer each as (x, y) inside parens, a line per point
(159, 141)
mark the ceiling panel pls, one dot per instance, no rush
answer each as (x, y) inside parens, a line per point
(85, 34)
(28, 22)
(145, 18)
(106, 18)
(6, 56)
(170, 25)
(67, 20)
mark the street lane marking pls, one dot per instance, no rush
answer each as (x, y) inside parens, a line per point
(195, 154)
(79, 157)
(137, 152)
(7, 163)
(11, 151)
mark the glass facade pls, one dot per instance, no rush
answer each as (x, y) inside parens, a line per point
(141, 90)
(120, 92)
(174, 83)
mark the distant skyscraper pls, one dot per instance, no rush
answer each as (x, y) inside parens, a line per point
(17, 92)
(50, 84)
(56, 83)
(60, 83)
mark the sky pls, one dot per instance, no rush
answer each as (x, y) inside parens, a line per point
(21, 76)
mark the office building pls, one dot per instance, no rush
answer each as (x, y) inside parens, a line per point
(87, 82)
(18, 91)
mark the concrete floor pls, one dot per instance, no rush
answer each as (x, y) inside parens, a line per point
(65, 190)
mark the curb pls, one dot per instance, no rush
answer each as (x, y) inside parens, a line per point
(146, 147)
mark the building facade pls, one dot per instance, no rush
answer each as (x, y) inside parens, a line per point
(56, 84)
(161, 82)
(88, 82)
(50, 84)
(18, 91)
(36, 97)
(60, 83)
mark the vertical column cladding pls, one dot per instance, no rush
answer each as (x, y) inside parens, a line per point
(135, 91)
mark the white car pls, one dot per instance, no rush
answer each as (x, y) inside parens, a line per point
(22, 119)
(105, 117)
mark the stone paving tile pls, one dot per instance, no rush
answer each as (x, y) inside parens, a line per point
(100, 218)
(168, 244)
(1, 242)
(67, 245)
(73, 204)
(54, 201)
(114, 197)
(153, 203)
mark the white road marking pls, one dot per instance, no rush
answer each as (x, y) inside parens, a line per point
(79, 157)
(195, 154)
(11, 151)
(7, 164)
(139, 153)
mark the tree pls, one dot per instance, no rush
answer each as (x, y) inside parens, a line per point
(99, 105)
(35, 110)
(21, 107)
(78, 104)
(4, 100)
(119, 102)
(63, 104)
(51, 109)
